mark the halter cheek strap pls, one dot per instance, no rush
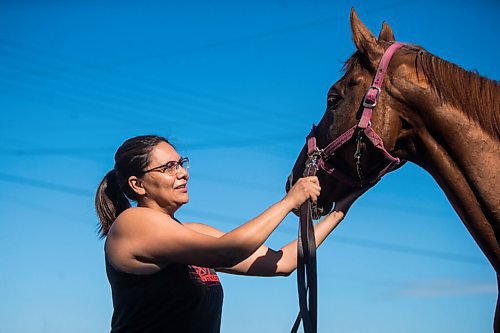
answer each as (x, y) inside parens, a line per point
(371, 96)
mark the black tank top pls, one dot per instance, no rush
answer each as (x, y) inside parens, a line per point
(177, 299)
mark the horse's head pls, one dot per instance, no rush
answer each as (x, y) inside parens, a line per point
(357, 160)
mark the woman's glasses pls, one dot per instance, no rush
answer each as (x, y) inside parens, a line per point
(171, 168)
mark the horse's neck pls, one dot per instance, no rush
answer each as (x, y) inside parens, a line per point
(464, 160)
(471, 150)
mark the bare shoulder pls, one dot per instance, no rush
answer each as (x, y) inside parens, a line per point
(137, 225)
(204, 229)
(133, 231)
(134, 213)
(137, 218)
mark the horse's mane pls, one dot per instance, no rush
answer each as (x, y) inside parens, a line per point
(476, 96)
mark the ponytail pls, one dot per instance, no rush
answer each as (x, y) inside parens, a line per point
(113, 194)
(110, 201)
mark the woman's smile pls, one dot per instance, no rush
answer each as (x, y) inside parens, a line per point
(181, 188)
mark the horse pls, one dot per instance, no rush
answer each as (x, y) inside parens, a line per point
(429, 112)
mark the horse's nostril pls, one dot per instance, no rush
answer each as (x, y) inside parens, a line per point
(289, 182)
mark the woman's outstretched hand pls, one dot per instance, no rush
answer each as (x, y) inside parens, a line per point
(305, 188)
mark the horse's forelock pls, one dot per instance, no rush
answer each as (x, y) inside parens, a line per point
(351, 63)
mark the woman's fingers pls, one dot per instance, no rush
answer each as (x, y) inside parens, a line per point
(312, 188)
(305, 188)
(315, 191)
(313, 179)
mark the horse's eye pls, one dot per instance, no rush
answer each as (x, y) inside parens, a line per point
(334, 100)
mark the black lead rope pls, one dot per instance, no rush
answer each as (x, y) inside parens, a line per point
(306, 264)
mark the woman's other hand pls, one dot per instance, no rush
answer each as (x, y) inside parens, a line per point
(305, 188)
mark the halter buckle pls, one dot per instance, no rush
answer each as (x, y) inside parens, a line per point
(369, 103)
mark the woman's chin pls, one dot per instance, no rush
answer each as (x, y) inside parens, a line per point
(184, 199)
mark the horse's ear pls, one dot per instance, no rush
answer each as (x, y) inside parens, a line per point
(364, 39)
(386, 33)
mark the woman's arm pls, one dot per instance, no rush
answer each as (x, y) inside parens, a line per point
(268, 262)
(143, 240)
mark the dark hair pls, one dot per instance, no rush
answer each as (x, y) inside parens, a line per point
(131, 159)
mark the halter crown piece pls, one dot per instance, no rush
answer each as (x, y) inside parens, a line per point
(317, 158)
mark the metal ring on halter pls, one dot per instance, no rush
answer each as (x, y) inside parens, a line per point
(311, 169)
(312, 162)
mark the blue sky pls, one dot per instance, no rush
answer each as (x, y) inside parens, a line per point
(236, 87)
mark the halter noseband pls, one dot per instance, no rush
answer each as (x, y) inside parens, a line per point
(362, 128)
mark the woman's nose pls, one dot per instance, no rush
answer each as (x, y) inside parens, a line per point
(182, 172)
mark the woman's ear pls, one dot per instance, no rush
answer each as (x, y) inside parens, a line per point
(136, 185)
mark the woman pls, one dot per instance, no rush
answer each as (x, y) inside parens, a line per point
(162, 271)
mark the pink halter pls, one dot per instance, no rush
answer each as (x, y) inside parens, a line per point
(320, 156)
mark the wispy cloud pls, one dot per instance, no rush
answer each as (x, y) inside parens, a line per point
(447, 288)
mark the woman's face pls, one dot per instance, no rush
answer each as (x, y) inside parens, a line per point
(162, 190)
